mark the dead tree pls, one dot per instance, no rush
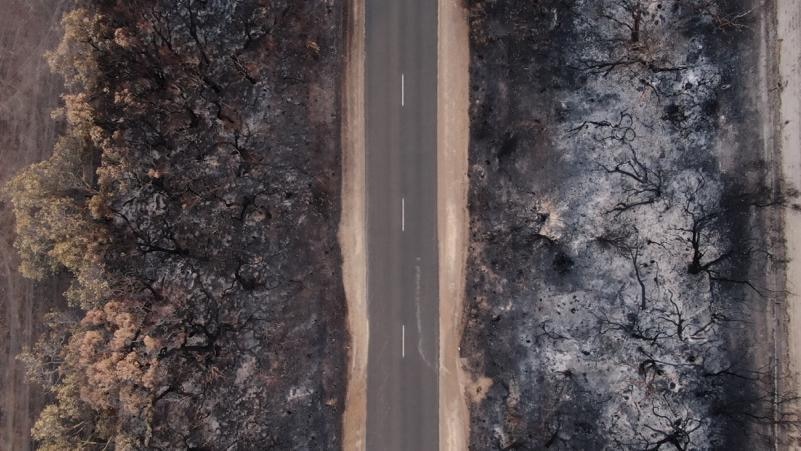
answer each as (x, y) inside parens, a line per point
(630, 15)
(676, 317)
(699, 230)
(642, 185)
(621, 131)
(631, 45)
(724, 20)
(628, 243)
(676, 431)
(705, 224)
(633, 327)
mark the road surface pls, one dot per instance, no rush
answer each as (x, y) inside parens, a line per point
(401, 83)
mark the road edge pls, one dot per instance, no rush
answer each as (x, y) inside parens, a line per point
(788, 56)
(453, 125)
(353, 226)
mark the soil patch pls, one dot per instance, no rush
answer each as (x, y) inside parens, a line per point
(789, 55)
(352, 227)
(453, 136)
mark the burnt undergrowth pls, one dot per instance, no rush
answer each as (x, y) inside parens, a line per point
(193, 200)
(624, 252)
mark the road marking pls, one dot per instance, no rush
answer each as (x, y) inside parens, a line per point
(403, 89)
(403, 214)
(403, 341)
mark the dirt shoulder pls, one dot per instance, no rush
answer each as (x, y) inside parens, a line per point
(452, 143)
(789, 56)
(352, 227)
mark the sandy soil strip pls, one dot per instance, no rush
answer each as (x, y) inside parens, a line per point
(352, 228)
(453, 137)
(789, 34)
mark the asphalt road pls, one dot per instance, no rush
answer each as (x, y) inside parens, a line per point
(401, 83)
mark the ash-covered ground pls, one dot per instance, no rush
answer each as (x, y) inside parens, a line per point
(623, 251)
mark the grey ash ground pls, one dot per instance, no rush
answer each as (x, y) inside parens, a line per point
(623, 250)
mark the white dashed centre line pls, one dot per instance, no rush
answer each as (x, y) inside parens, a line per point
(403, 90)
(403, 214)
(403, 341)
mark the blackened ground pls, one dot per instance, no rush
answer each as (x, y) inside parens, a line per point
(593, 154)
(285, 371)
(257, 280)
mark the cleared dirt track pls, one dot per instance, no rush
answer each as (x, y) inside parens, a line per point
(29, 93)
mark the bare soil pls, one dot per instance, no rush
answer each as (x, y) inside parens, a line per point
(789, 55)
(453, 123)
(352, 228)
(29, 93)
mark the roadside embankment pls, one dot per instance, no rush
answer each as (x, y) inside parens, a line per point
(789, 56)
(452, 144)
(352, 227)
